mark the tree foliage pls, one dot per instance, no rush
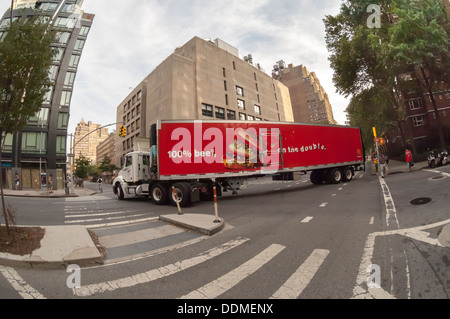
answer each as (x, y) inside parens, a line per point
(25, 59)
(368, 61)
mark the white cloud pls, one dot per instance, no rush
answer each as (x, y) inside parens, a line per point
(130, 38)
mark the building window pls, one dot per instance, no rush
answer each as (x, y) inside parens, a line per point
(65, 98)
(139, 95)
(220, 113)
(62, 37)
(8, 143)
(34, 143)
(224, 71)
(79, 45)
(61, 142)
(84, 31)
(207, 110)
(74, 60)
(234, 65)
(242, 116)
(250, 118)
(257, 109)
(231, 115)
(415, 104)
(40, 118)
(69, 80)
(418, 120)
(225, 85)
(241, 104)
(53, 73)
(239, 91)
(63, 121)
(58, 56)
(226, 99)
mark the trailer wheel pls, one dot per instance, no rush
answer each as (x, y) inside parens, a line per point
(159, 194)
(316, 177)
(347, 174)
(334, 176)
(120, 194)
(183, 191)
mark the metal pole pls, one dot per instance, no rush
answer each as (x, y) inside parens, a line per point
(215, 206)
(176, 200)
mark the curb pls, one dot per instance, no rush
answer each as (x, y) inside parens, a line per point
(204, 224)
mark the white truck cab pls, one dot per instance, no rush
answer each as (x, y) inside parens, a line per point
(134, 176)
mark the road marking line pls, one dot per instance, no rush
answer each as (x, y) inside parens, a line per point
(101, 219)
(307, 220)
(371, 220)
(391, 211)
(97, 213)
(158, 273)
(231, 279)
(125, 222)
(437, 172)
(295, 285)
(20, 285)
(323, 204)
(333, 195)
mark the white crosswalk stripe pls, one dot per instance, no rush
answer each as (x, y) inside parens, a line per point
(295, 285)
(158, 273)
(226, 282)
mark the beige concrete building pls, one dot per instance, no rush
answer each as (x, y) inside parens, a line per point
(201, 80)
(87, 137)
(310, 103)
(107, 148)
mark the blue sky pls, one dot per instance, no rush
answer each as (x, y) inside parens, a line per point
(130, 38)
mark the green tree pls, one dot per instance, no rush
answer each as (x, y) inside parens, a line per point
(420, 38)
(83, 163)
(106, 166)
(364, 57)
(25, 58)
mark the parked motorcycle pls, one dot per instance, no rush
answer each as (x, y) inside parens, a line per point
(436, 158)
(431, 159)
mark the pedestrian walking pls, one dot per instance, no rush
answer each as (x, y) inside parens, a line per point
(36, 185)
(384, 163)
(409, 159)
(17, 182)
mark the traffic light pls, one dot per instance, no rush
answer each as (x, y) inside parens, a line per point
(122, 131)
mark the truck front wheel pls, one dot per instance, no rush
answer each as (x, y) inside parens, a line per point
(183, 191)
(159, 194)
(119, 192)
(316, 177)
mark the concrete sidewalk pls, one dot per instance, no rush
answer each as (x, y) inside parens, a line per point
(42, 193)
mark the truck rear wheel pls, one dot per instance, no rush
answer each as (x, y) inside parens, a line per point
(334, 176)
(159, 194)
(183, 191)
(347, 174)
(316, 177)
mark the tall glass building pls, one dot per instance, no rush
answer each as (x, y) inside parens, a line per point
(41, 146)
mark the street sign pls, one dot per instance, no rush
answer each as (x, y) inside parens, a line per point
(70, 155)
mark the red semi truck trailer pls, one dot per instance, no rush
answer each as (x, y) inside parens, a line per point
(194, 156)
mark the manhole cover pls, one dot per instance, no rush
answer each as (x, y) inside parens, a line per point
(420, 201)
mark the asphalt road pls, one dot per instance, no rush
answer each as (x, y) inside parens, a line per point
(282, 240)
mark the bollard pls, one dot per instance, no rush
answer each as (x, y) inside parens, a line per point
(215, 206)
(176, 200)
